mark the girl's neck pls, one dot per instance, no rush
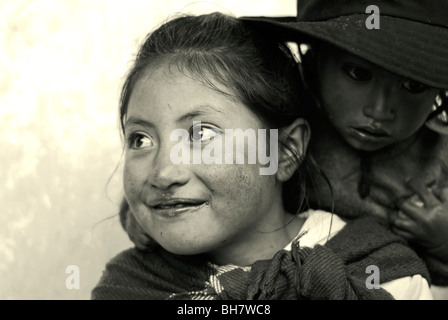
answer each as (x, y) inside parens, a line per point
(261, 245)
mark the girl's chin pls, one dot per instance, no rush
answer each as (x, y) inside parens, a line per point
(183, 249)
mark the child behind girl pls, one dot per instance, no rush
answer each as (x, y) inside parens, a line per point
(222, 230)
(380, 133)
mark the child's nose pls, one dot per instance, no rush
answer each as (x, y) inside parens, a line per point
(166, 174)
(380, 106)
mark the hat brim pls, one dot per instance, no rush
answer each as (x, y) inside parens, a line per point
(411, 49)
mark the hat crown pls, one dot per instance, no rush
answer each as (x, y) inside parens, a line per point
(432, 12)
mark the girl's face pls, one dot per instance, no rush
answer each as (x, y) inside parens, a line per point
(193, 208)
(369, 106)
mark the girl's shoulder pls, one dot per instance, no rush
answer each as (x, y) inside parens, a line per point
(319, 227)
(155, 274)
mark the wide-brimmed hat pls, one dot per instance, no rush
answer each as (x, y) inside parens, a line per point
(412, 39)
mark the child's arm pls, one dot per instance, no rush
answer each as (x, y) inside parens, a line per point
(423, 220)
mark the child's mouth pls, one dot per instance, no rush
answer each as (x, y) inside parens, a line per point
(369, 132)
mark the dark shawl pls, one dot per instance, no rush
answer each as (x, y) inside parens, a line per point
(334, 271)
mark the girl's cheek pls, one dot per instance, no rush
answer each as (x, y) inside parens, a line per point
(232, 181)
(131, 183)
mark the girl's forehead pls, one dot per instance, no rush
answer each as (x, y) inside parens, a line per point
(178, 73)
(171, 93)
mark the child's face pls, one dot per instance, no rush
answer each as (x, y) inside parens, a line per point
(192, 208)
(369, 106)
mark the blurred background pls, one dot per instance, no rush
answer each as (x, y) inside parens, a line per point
(62, 63)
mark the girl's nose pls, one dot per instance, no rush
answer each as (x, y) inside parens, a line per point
(166, 174)
(380, 106)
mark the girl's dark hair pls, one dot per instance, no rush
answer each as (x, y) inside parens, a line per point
(258, 71)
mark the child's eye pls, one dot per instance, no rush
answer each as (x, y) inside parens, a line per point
(139, 141)
(203, 133)
(414, 86)
(357, 73)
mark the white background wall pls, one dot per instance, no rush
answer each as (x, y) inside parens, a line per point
(61, 66)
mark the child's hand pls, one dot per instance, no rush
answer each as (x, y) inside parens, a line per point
(141, 240)
(423, 220)
(136, 234)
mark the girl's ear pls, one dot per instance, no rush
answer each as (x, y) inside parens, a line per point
(295, 143)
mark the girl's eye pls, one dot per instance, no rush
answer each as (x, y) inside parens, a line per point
(359, 74)
(140, 141)
(414, 86)
(203, 133)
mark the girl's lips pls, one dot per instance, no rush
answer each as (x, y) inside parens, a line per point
(176, 207)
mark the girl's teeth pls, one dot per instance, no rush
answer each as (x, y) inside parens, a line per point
(175, 206)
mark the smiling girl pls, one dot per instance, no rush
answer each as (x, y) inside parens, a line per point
(224, 231)
(196, 208)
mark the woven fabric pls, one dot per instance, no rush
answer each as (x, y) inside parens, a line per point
(334, 271)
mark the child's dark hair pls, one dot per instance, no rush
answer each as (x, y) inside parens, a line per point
(258, 71)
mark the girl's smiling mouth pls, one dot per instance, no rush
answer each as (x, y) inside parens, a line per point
(174, 207)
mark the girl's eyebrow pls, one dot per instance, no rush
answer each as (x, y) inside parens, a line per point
(202, 110)
(138, 121)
